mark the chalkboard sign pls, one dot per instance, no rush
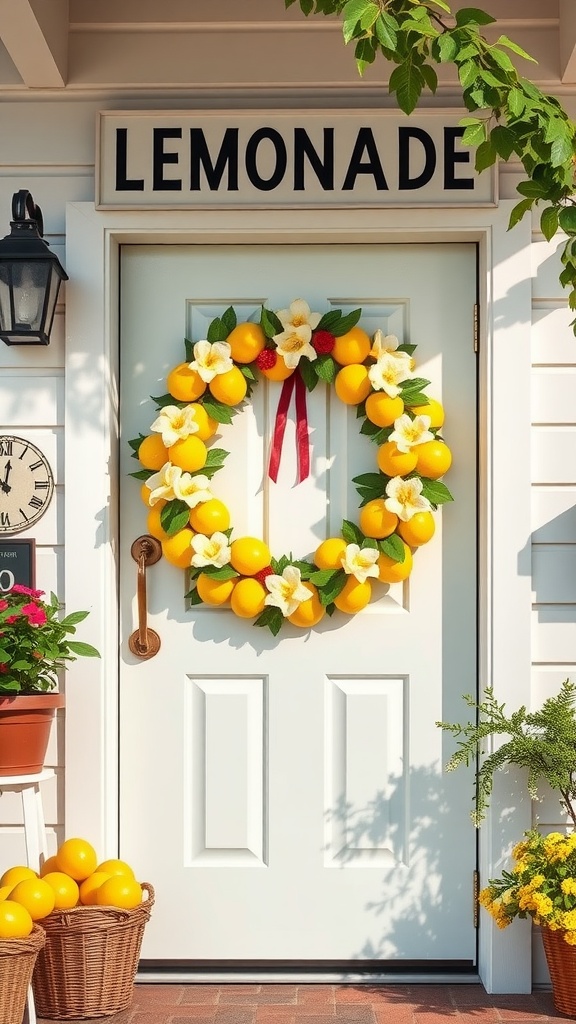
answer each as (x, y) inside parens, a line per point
(17, 564)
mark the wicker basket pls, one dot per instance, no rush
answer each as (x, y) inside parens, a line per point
(88, 965)
(561, 959)
(17, 959)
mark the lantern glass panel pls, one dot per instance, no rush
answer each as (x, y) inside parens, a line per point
(6, 319)
(30, 281)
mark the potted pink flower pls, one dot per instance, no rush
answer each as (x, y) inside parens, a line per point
(35, 645)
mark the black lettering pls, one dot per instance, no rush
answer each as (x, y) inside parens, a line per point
(200, 158)
(451, 158)
(23, 453)
(40, 485)
(266, 184)
(405, 135)
(23, 514)
(322, 167)
(4, 519)
(35, 502)
(365, 142)
(5, 447)
(36, 465)
(160, 159)
(123, 183)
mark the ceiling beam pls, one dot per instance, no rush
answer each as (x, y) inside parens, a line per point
(35, 34)
(567, 38)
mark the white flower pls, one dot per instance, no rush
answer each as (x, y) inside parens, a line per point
(299, 315)
(384, 344)
(409, 432)
(360, 562)
(405, 498)
(287, 591)
(174, 423)
(192, 489)
(210, 360)
(214, 550)
(389, 371)
(294, 343)
(163, 482)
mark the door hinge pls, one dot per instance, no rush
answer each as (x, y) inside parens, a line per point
(476, 326)
(475, 895)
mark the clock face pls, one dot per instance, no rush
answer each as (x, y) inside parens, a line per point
(26, 484)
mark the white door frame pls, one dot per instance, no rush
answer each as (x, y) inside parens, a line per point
(93, 241)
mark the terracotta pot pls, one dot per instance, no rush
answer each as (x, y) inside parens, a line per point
(25, 723)
(561, 958)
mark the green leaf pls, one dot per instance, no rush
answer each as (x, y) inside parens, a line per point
(163, 400)
(473, 16)
(562, 150)
(386, 28)
(306, 568)
(216, 457)
(474, 134)
(270, 323)
(407, 82)
(531, 189)
(322, 576)
(468, 73)
(308, 373)
(369, 428)
(335, 586)
(223, 572)
(430, 77)
(504, 41)
(142, 474)
(326, 368)
(83, 650)
(193, 597)
(247, 371)
(549, 222)
(229, 319)
(271, 617)
(189, 350)
(136, 442)
(365, 53)
(352, 14)
(73, 619)
(436, 492)
(393, 546)
(351, 533)
(516, 102)
(503, 140)
(174, 516)
(502, 59)
(567, 219)
(518, 212)
(370, 480)
(217, 331)
(486, 155)
(448, 47)
(217, 410)
(344, 323)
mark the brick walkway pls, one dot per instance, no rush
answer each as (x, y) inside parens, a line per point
(330, 1004)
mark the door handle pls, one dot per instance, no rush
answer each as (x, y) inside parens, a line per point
(144, 642)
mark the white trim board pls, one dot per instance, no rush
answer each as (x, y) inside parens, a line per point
(93, 241)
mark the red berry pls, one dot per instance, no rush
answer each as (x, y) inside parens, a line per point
(323, 342)
(266, 359)
(267, 571)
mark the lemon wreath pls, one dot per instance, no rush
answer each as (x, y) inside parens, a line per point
(299, 348)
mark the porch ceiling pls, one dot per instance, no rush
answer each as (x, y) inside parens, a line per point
(193, 45)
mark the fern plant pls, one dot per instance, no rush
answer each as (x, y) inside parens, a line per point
(542, 741)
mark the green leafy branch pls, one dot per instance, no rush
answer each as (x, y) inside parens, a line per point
(542, 741)
(514, 118)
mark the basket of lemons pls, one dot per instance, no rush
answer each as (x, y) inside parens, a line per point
(92, 917)
(20, 942)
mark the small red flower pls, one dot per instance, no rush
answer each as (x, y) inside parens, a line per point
(3, 669)
(323, 342)
(19, 589)
(3, 605)
(11, 619)
(261, 576)
(36, 615)
(266, 359)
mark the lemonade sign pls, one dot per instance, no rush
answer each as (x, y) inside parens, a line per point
(301, 349)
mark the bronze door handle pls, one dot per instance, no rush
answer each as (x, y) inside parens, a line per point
(144, 642)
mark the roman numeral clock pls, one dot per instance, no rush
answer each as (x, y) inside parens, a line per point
(26, 484)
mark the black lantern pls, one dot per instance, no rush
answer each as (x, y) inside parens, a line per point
(30, 277)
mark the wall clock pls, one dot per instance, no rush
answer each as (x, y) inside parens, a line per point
(26, 484)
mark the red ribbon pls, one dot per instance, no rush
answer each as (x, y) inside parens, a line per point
(293, 382)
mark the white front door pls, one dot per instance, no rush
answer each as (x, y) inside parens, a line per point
(286, 796)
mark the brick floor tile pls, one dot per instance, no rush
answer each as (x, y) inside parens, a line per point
(207, 995)
(353, 993)
(282, 996)
(463, 994)
(276, 1015)
(146, 995)
(241, 988)
(393, 1015)
(235, 1015)
(320, 1018)
(240, 998)
(315, 995)
(354, 1014)
(149, 1017)
(194, 1011)
(206, 1017)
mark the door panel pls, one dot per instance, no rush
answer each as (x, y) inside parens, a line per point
(285, 795)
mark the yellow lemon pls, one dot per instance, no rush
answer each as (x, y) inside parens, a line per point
(113, 866)
(16, 874)
(152, 453)
(247, 598)
(383, 410)
(354, 597)
(184, 384)
(393, 462)
(249, 555)
(5, 891)
(207, 426)
(190, 453)
(229, 388)
(48, 865)
(329, 553)
(119, 891)
(279, 371)
(154, 525)
(214, 591)
(352, 384)
(66, 891)
(210, 517)
(77, 858)
(177, 550)
(36, 896)
(434, 458)
(375, 519)
(309, 613)
(15, 921)
(90, 886)
(418, 530)
(395, 572)
(352, 347)
(433, 409)
(246, 341)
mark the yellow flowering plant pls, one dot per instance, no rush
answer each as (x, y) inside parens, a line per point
(541, 884)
